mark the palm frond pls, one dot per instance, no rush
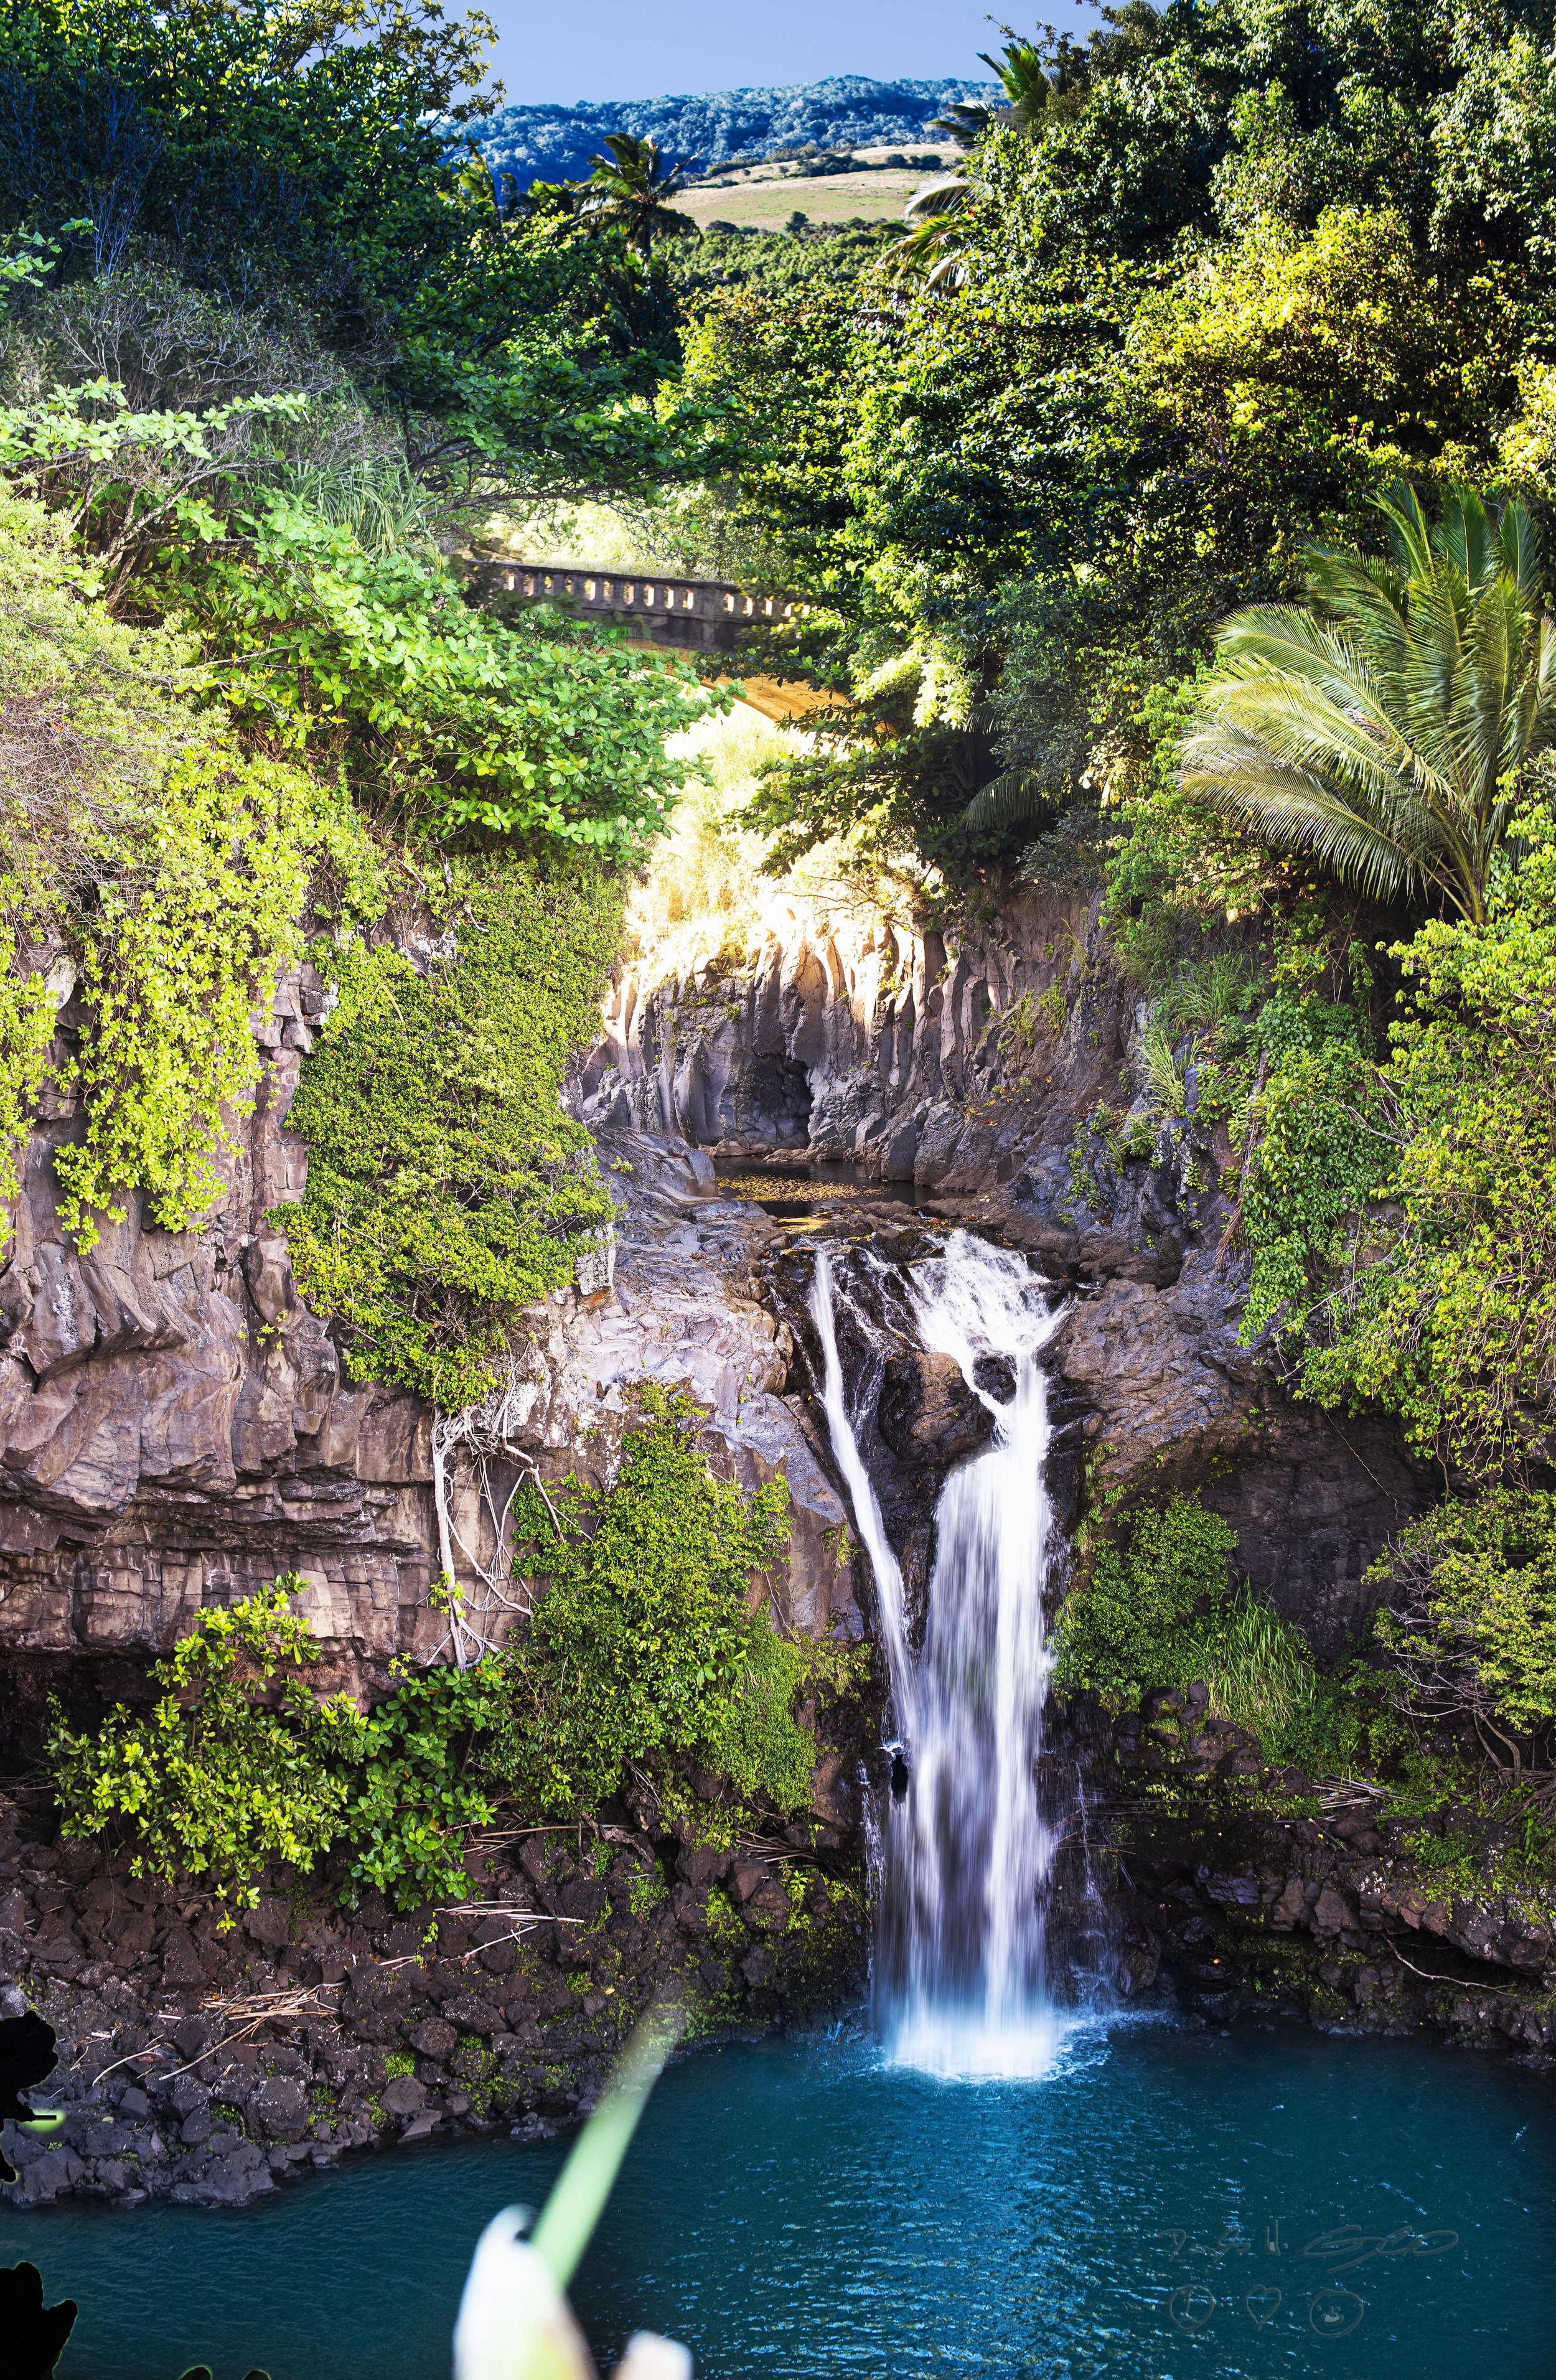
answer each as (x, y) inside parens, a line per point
(945, 196)
(1313, 708)
(965, 122)
(1523, 558)
(1381, 728)
(1294, 809)
(931, 253)
(1466, 538)
(1016, 798)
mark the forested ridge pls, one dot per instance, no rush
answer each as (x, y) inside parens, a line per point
(1171, 513)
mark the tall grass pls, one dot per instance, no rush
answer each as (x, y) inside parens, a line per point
(1207, 994)
(1261, 1675)
(1165, 1087)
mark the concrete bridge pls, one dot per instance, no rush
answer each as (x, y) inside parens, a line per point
(699, 615)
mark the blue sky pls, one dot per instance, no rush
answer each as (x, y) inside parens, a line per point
(567, 50)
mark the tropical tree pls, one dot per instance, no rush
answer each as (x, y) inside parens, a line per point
(631, 190)
(1037, 82)
(1382, 726)
(933, 250)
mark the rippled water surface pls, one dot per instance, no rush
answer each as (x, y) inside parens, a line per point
(1167, 2201)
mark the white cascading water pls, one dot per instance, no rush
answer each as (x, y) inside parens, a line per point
(965, 1856)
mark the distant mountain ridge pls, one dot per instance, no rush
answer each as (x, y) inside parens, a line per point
(554, 145)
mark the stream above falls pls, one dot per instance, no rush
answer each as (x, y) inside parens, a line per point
(1269, 2203)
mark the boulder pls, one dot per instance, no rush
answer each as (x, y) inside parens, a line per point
(279, 2107)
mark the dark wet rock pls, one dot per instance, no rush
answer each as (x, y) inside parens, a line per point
(433, 2038)
(996, 1377)
(1251, 1904)
(199, 2103)
(270, 1924)
(926, 1412)
(278, 2109)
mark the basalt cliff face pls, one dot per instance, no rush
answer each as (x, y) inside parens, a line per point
(994, 1075)
(176, 1429)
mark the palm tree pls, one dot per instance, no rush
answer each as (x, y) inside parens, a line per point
(933, 250)
(1383, 726)
(631, 190)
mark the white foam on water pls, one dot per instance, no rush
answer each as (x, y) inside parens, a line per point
(965, 2048)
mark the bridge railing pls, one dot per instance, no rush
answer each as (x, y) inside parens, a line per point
(708, 612)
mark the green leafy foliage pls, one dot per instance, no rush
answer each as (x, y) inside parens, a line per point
(311, 153)
(413, 1785)
(231, 1770)
(165, 870)
(1160, 1609)
(1132, 1619)
(643, 1658)
(1318, 1149)
(1382, 726)
(752, 1737)
(220, 1776)
(445, 1187)
(441, 715)
(195, 930)
(1469, 1627)
(642, 1649)
(1451, 1320)
(778, 264)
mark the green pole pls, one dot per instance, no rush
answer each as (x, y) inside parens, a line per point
(586, 2181)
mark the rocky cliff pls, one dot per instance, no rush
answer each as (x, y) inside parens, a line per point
(176, 1428)
(1261, 1892)
(994, 1075)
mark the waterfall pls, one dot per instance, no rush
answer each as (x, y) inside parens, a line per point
(961, 1980)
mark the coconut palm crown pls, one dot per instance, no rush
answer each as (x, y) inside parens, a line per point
(631, 189)
(1383, 724)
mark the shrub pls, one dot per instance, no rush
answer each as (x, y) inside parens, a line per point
(643, 1650)
(165, 868)
(451, 717)
(218, 1777)
(195, 930)
(1453, 1322)
(1130, 1626)
(415, 1787)
(642, 1653)
(1470, 1626)
(1161, 1610)
(753, 1738)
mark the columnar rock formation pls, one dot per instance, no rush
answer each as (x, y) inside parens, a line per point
(997, 1075)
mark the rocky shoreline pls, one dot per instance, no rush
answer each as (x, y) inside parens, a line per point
(205, 2066)
(1258, 1892)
